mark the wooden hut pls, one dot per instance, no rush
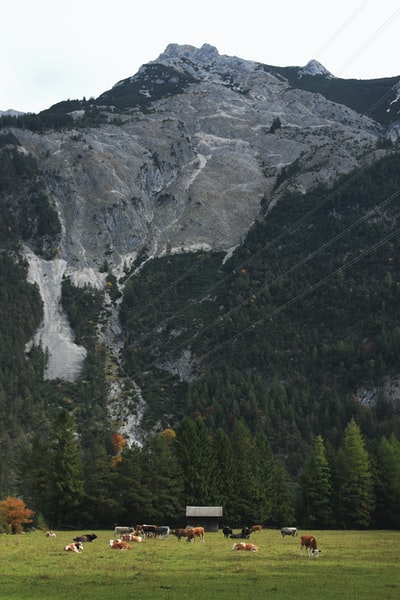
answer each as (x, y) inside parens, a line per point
(204, 516)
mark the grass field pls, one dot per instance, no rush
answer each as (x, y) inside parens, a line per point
(352, 566)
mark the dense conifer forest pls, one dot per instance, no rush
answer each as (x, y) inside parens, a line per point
(277, 341)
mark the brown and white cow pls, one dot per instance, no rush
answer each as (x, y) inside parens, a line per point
(131, 537)
(119, 545)
(74, 547)
(50, 534)
(195, 532)
(310, 544)
(245, 546)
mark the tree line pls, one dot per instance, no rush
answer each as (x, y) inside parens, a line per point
(352, 487)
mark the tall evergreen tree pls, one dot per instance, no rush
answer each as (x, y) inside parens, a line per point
(247, 491)
(66, 471)
(282, 496)
(316, 489)
(387, 483)
(33, 474)
(195, 455)
(355, 500)
(225, 473)
(164, 480)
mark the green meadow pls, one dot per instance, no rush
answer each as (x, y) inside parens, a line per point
(353, 565)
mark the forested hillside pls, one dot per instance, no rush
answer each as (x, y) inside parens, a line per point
(250, 367)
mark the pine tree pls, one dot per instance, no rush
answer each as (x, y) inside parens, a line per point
(387, 483)
(355, 500)
(247, 492)
(196, 458)
(66, 470)
(225, 473)
(164, 480)
(316, 489)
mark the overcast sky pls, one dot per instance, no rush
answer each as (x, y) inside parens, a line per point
(53, 50)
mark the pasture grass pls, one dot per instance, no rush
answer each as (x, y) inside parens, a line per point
(352, 565)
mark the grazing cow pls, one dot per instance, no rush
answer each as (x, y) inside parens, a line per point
(121, 530)
(119, 545)
(50, 534)
(180, 533)
(243, 546)
(227, 531)
(195, 532)
(243, 535)
(310, 544)
(87, 537)
(254, 528)
(74, 547)
(162, 532)
(147, 530)
(289, 531)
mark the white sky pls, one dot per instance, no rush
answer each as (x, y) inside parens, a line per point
(54, 50)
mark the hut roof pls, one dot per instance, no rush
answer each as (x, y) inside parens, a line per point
(204, 511)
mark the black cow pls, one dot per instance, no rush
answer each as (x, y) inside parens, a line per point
(243, 535)
(227, 531)
(87, 537)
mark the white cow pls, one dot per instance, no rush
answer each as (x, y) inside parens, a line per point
(289, 531)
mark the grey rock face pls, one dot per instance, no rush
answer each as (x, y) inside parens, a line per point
(192, 172)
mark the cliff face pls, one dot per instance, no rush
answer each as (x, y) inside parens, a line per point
(191, 169)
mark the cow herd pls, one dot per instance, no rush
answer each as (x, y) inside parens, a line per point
(124, 537)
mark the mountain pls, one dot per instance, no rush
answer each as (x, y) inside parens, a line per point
(133, 211)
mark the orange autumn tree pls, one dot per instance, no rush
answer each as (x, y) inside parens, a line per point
(14, 512)
(118, 442)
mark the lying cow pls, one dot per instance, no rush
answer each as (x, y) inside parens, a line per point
(289, 531)
(119, 545)
(310, 544)
(245, 546)
(87, 537)
(50, 534)
(74, 547)
(243, 535)
(131, 537)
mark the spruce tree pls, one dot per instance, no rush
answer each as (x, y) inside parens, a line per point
(387, 483)
(316, 489)
(66, 471)
(355, 500)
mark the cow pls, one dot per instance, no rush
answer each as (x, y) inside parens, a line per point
(50, 534)
(243, 535)
(132, 537)
(289, 531)
(162, 532)
(310, 544)
(254, 528)
(119, 545)
(180, 533)
(227, 531)
(195, 532)
(87, 537)
(121, 530)
(147, 530)
(74, 547)
(245, 546)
